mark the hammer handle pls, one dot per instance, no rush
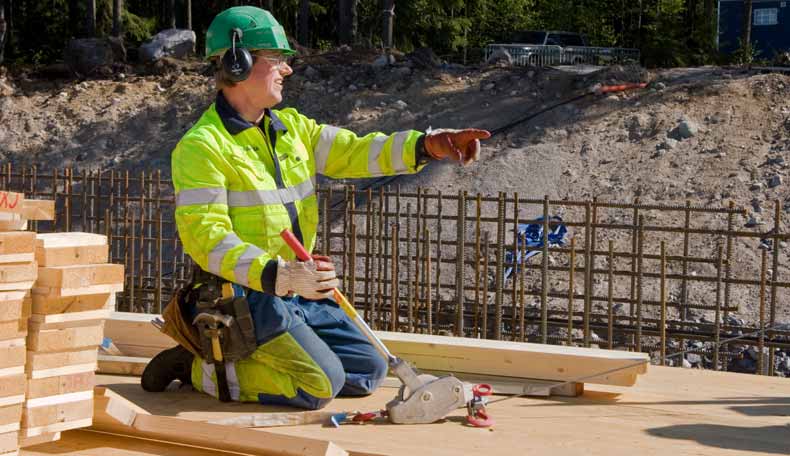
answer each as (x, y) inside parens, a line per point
(351, 312)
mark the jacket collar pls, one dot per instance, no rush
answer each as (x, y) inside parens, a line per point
(235, 124)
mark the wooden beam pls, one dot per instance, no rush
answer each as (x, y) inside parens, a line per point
(33, 209)
(55, 427)
(12, 353)
(9, 442)
(18, 272)
(65, 249)
(16, 243)
(78, 276)
(55, 386)
(135, 336)
(12, 385)
(54, 340)
(68, 320)
(34, 417)
(110, 416)
(39, 361)
(46, 305)
(66, 292)
(122, 365)
(38, 440)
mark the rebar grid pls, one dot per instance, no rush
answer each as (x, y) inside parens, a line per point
(631, 276)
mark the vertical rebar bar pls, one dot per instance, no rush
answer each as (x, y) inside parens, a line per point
(327, 222)
(522, 282)
(728, 269)
(610, 298)
(385, 193)
(684, 280)
(475, 320)
(484, 318)
(588, 267)
(352, 263)
(663, 297)
(634, 260)
(428, 291)
(394, 273)
(639, 282)
(514, 271)
(368, 253)
(438, 251)
(132, 263)
(761, 336)
(544, 275)
(775, 245)
(158, 264)
(571, 288)
(717, 315)
(409, 284)
(460, 257)
(499, 266)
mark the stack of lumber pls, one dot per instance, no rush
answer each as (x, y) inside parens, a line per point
(72, 296)
(18, 271)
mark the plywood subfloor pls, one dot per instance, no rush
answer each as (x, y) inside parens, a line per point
(89, 443)
(669, 411)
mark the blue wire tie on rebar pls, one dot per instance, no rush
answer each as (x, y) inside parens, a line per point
(532, 234)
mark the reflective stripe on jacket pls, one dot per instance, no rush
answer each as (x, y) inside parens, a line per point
(234, 196)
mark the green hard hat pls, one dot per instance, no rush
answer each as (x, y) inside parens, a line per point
(259, 30)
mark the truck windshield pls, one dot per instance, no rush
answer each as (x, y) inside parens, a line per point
(529, 37)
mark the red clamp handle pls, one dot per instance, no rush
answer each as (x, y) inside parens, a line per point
(480, 419)
(295, 245)
(482, 389)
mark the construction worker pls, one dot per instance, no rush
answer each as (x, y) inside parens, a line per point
(243, 173)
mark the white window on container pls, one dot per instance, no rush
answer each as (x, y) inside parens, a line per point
(766, 16)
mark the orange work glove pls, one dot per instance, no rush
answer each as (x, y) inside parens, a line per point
(459, 145)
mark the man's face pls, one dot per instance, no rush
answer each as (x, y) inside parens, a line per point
(264, 87)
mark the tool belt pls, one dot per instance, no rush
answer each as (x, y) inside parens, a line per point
(232, 337)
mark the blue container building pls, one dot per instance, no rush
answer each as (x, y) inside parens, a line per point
(770, 26)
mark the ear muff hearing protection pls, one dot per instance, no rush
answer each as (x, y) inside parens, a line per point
(237, 61)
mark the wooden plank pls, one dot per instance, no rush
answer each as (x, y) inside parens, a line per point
(84, 442)
(71, 239)
(69, 256)
(79, 276)
(122, 365)
(13, 329)
(9, 442)
(55, 427)
(10, 414)
(38, 440)
(47, 305)
(67, 320)
(57, 413)
(200, 434)
(9, 286)
(59, 399)
(11, 309)
(11, 202)
(17, 242)
(63, 384)
(12, 353)
(17, 257)
(18, 272)
(89, 290)
(62, 249)
(75, 338)
(38, 361)
(135, 336)
(35, 209)
(12, 385)
(514, 359)
(65, 370)
(15, 370)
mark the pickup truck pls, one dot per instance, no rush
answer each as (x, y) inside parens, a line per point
(544, 48)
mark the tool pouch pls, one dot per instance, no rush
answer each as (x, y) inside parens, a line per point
(203, 292)
(178, 325)
(238, 339)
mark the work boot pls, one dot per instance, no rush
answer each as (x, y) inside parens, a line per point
(171, 364)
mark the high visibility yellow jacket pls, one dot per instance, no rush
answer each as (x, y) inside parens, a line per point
(238, 184)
